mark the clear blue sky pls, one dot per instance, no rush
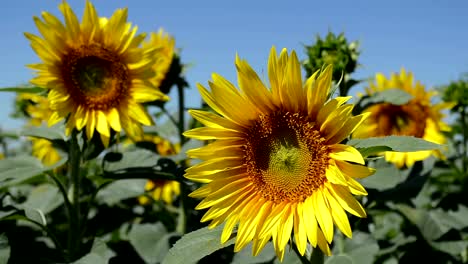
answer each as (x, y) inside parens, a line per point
(427, 37)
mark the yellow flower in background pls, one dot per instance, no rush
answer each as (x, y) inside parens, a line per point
(276, 166)
(164, 190)
(419, 117)
(38, 110)
(44, 150)
(96, 70)
(161, 190)
(165, 45)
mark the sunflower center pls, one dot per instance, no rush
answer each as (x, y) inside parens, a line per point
(95, 77)
(285, 157)
(407, 120)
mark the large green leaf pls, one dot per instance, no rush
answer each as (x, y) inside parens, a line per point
(44, 197)
(56, 132)
(121, 190)
(435, 223)
(245, 255)
(396, 143)
(392, 96)
(18, 169)
(135, 158)
(4, 249)
(384, 178)
(361, 249)
(340, 259)
(196, 245)
(100, 253)
(151, 241)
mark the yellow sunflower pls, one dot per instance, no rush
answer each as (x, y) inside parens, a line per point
(38, 110)
(165, 45)
(165, 190)
(276, 166)
(97, 71)
(37, 107)
(419, 117)
(44, 150)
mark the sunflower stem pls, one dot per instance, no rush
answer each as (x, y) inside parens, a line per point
(182, 220)
(74, 236)
(317, 256)
(465, 139)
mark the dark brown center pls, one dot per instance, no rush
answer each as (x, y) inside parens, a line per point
(286, 157)
(95, 77)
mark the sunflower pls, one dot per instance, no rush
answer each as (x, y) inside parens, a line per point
(35, 106)
(160, 189)
(38, 111)
(165, 45)
(419, 117)
(97, 71)
(276, 166)
(44, 150)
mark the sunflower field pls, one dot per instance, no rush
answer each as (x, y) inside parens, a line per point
(282, 167)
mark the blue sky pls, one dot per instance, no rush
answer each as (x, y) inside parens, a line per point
(427, 38)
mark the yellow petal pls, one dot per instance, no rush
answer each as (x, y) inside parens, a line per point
(346, 153)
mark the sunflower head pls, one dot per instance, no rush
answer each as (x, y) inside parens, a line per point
(44, 150)
(96, 71)
(276, 165)
(160, 190)
(165, 45)
(419, 117)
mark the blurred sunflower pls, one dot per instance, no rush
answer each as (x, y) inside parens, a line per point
(97, 71)
(164, 190)
(37, 109)
(277, 165)
(165, 45)
(419, 117)
(44, 150)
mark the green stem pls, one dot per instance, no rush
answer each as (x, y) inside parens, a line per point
(182, 219)
(181, 123)
(317, 256)
(74, 235)
(170, 117)
(465, 139)
(63, 191)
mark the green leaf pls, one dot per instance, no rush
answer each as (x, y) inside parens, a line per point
(151, 241)
(340, 259)
(45, 198)
(135, 158)
(455, 248)
(432, 224)
(396, 143)
(366, 152)
(361, 249)
(4, 249)
(18, 169)
(22, 89)
(100, 253)
(245, 255)
(36, 215)
(196, 245)
(56, 132)
(121, 190)
(392, 96)
(384, 178)
(290, 257)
